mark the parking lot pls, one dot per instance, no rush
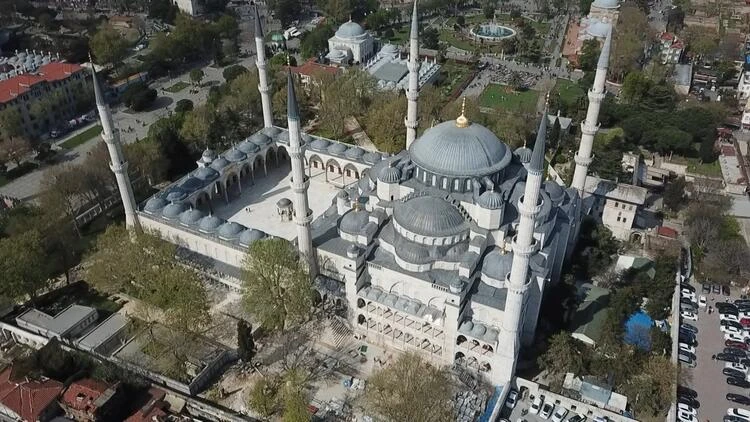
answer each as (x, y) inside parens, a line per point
(706, 378)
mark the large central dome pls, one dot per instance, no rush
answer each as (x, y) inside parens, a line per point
(450, 150)
(350, 30)
(429, 216)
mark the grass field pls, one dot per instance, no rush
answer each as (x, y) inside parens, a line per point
(82, 137)
(453, 75)
(179, 86)
(569, 91)
(500, 97)
(696, 166)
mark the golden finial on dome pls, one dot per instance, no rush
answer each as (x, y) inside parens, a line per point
(462, 121)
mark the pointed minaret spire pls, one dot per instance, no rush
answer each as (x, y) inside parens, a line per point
(299, 183)
(591, 125)
(117, 163)
(412, 94)
(263, 85)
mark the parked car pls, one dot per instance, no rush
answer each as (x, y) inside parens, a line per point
(689, 327)
(687, 360)
(725, 305)
(729, 418)
(690, 401)
(702, 301)
(730, 323)
(547, 410)
(716, 289)
(736, 365)
(576, 418)
(705, 288)
(536, 404)
(689, 315)
(733, 330)
(726, 357)
(512, 399)
(735, 411)
(686, 392)
(685, 286)
(687, 409)
(559, 414)
(683, 416)
(740, 302)
(688, 301)
(738, 382)
(688, 339)
(733, 373)
(687, 348)
(735, 351)
(738, 398)
(738, 344)
(729, 317)
(745, 322)
(687, 294)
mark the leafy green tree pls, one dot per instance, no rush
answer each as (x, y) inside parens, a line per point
(196, 76)
(163, 9)
(627, 47)
(11, 123)
(287, 11)
(295, 407)
(635, 87)
(393, 391)
(675, 194)
(277, 285)
(489, 9)
(585, 6)
(315, 41)
(263, 397)
(430, 38)
(138, 96)
(589, 56)
(245, 342)
(564, 354)
(386, 115)
(183, 105)
(232, 72)
(652, 387)
(108, 46)
(22, 265)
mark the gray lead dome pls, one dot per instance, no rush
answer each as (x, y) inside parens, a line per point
(429, 216)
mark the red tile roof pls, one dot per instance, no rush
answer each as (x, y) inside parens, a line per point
(311, 68)
(153, 410)
(27, 398)
(18, 85)
(667, 36)
(82, 394)
(667, 232)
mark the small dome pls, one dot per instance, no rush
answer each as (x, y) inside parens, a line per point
(429, 216)
(491, 200)
(319, 144)
(350, 30)
(524, 154)
(352, 250)
(176, 194)
(337, 148)
(248, 147)
(210, 223)
(342, 194)
(155, 204)
(284, 203)
(389, 49)
(260, 139)
(191, 184)
(354, 221)
(478, 330)
(173, 210)
(219, 163)
(306, 138)
(466, 326)
(554, 190)
(208, 155)
(191, 217)
(230, 230)
(206, 174)
(355, 153)
(271, 131)
(389, 175)
(249, 236)
(372, 157)
(234, 155)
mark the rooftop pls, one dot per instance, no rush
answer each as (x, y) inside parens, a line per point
(27, 398)
(103, 331)
(589, 317)
(617, 191)
(87, 394)
(19, 85)
(60, 323)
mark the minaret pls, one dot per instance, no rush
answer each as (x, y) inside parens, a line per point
(299, 182)
(591, 125)
(524, 246)
(412, 94)
(119, 166)
(263, 85)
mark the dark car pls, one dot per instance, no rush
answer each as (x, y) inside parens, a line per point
(716, 289)
(733, 373)
(576, 418)
(688, 339)
(731, 418)
(689, 327)
(735, 351)
(686, 392)
(742, 302)
(726, 357)
(739, 398)
(687, 301)
(690, 401)
(729, 311)
(725, 290)
(737, 344)
(735, 324)
(687, 287)
(719, 305)
(706, 288)
(738, 382)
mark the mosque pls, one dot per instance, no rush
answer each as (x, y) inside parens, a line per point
(444, 249)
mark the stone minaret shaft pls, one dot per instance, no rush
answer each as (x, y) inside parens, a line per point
(589, 128)
(412, 94)
(523, 247)
(263, 86)
(119, 166)
(299, 182)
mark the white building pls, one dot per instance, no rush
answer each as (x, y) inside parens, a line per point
(616, 205)
(70, 322)
(392, 72)
(350, 44)
(743, 87)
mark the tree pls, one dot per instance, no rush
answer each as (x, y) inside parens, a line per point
(163, 9)
(245, 342)
(635, 87)
(585, 6)
(183, 105)
(430, 38)
(11, 123)
(15, 149)
(699, 40)
(196, 76)
(263, 397)
(195, 129)
(232, 72)
(674, 194)
(338, 10)
(144, 266)
(489, 10)
(295, 407)
(393, 391)
(138, 96)
(630, 34)
(564, 354)
(277, 285)
(315, 41)
(287, 11)
(651, 389)
(589, 56)
(108, 46)
(553, 138)
(386, 115)
(461, 20)
(22, 264)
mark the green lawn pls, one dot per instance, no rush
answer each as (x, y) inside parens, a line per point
(500, 97)
(706, 169)
(82, 137)
(569, 91)
(400, 36)
(179, 86)
(453, 75)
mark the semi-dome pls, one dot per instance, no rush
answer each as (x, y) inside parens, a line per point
(389, 49)
(234, 155)
(524, 154)
(478, 330)
(155, 205)
(450, 150)
(466, 326)
(429, 216)
(219, 163)
(598, 29)
(389, 175)
(350, 30)
(206, 173)
(249, 236)
(176, 194)
(606, 4)
(372, 157)
(491, 200)
(319, 144)
(210, 223)
(191, 217)
(354, 221)
(248, 147)
(173, 210)
(413, 253)
(230, 230)
(554, 190)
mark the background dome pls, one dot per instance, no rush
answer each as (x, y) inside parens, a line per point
(173, 210)
(251, 235)
(210, 223)
(248, 147)
(155, 204)
(230, 230)
(453, 151)
(191, 217)
(523, 154)
(429, 216)
(350, 30)
(389, 175)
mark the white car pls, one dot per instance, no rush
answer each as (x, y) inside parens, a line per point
(547, 410)
(559, 414)
(733, 411)
(702, 302)
(512, 399)
(682, 407)
(729, 317)
(733, 329)
(689, 294)
(738, 366)
(734, 337)
(689, 315)
(683, 416)
(536, 405)
(687, 348)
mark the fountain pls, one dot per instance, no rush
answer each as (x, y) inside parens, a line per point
(492, 32)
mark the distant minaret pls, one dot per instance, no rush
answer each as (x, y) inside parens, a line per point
(300, 182)
(412, 94)
(523, 247)
(263, 86)
(591, 125)
(119, 166)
